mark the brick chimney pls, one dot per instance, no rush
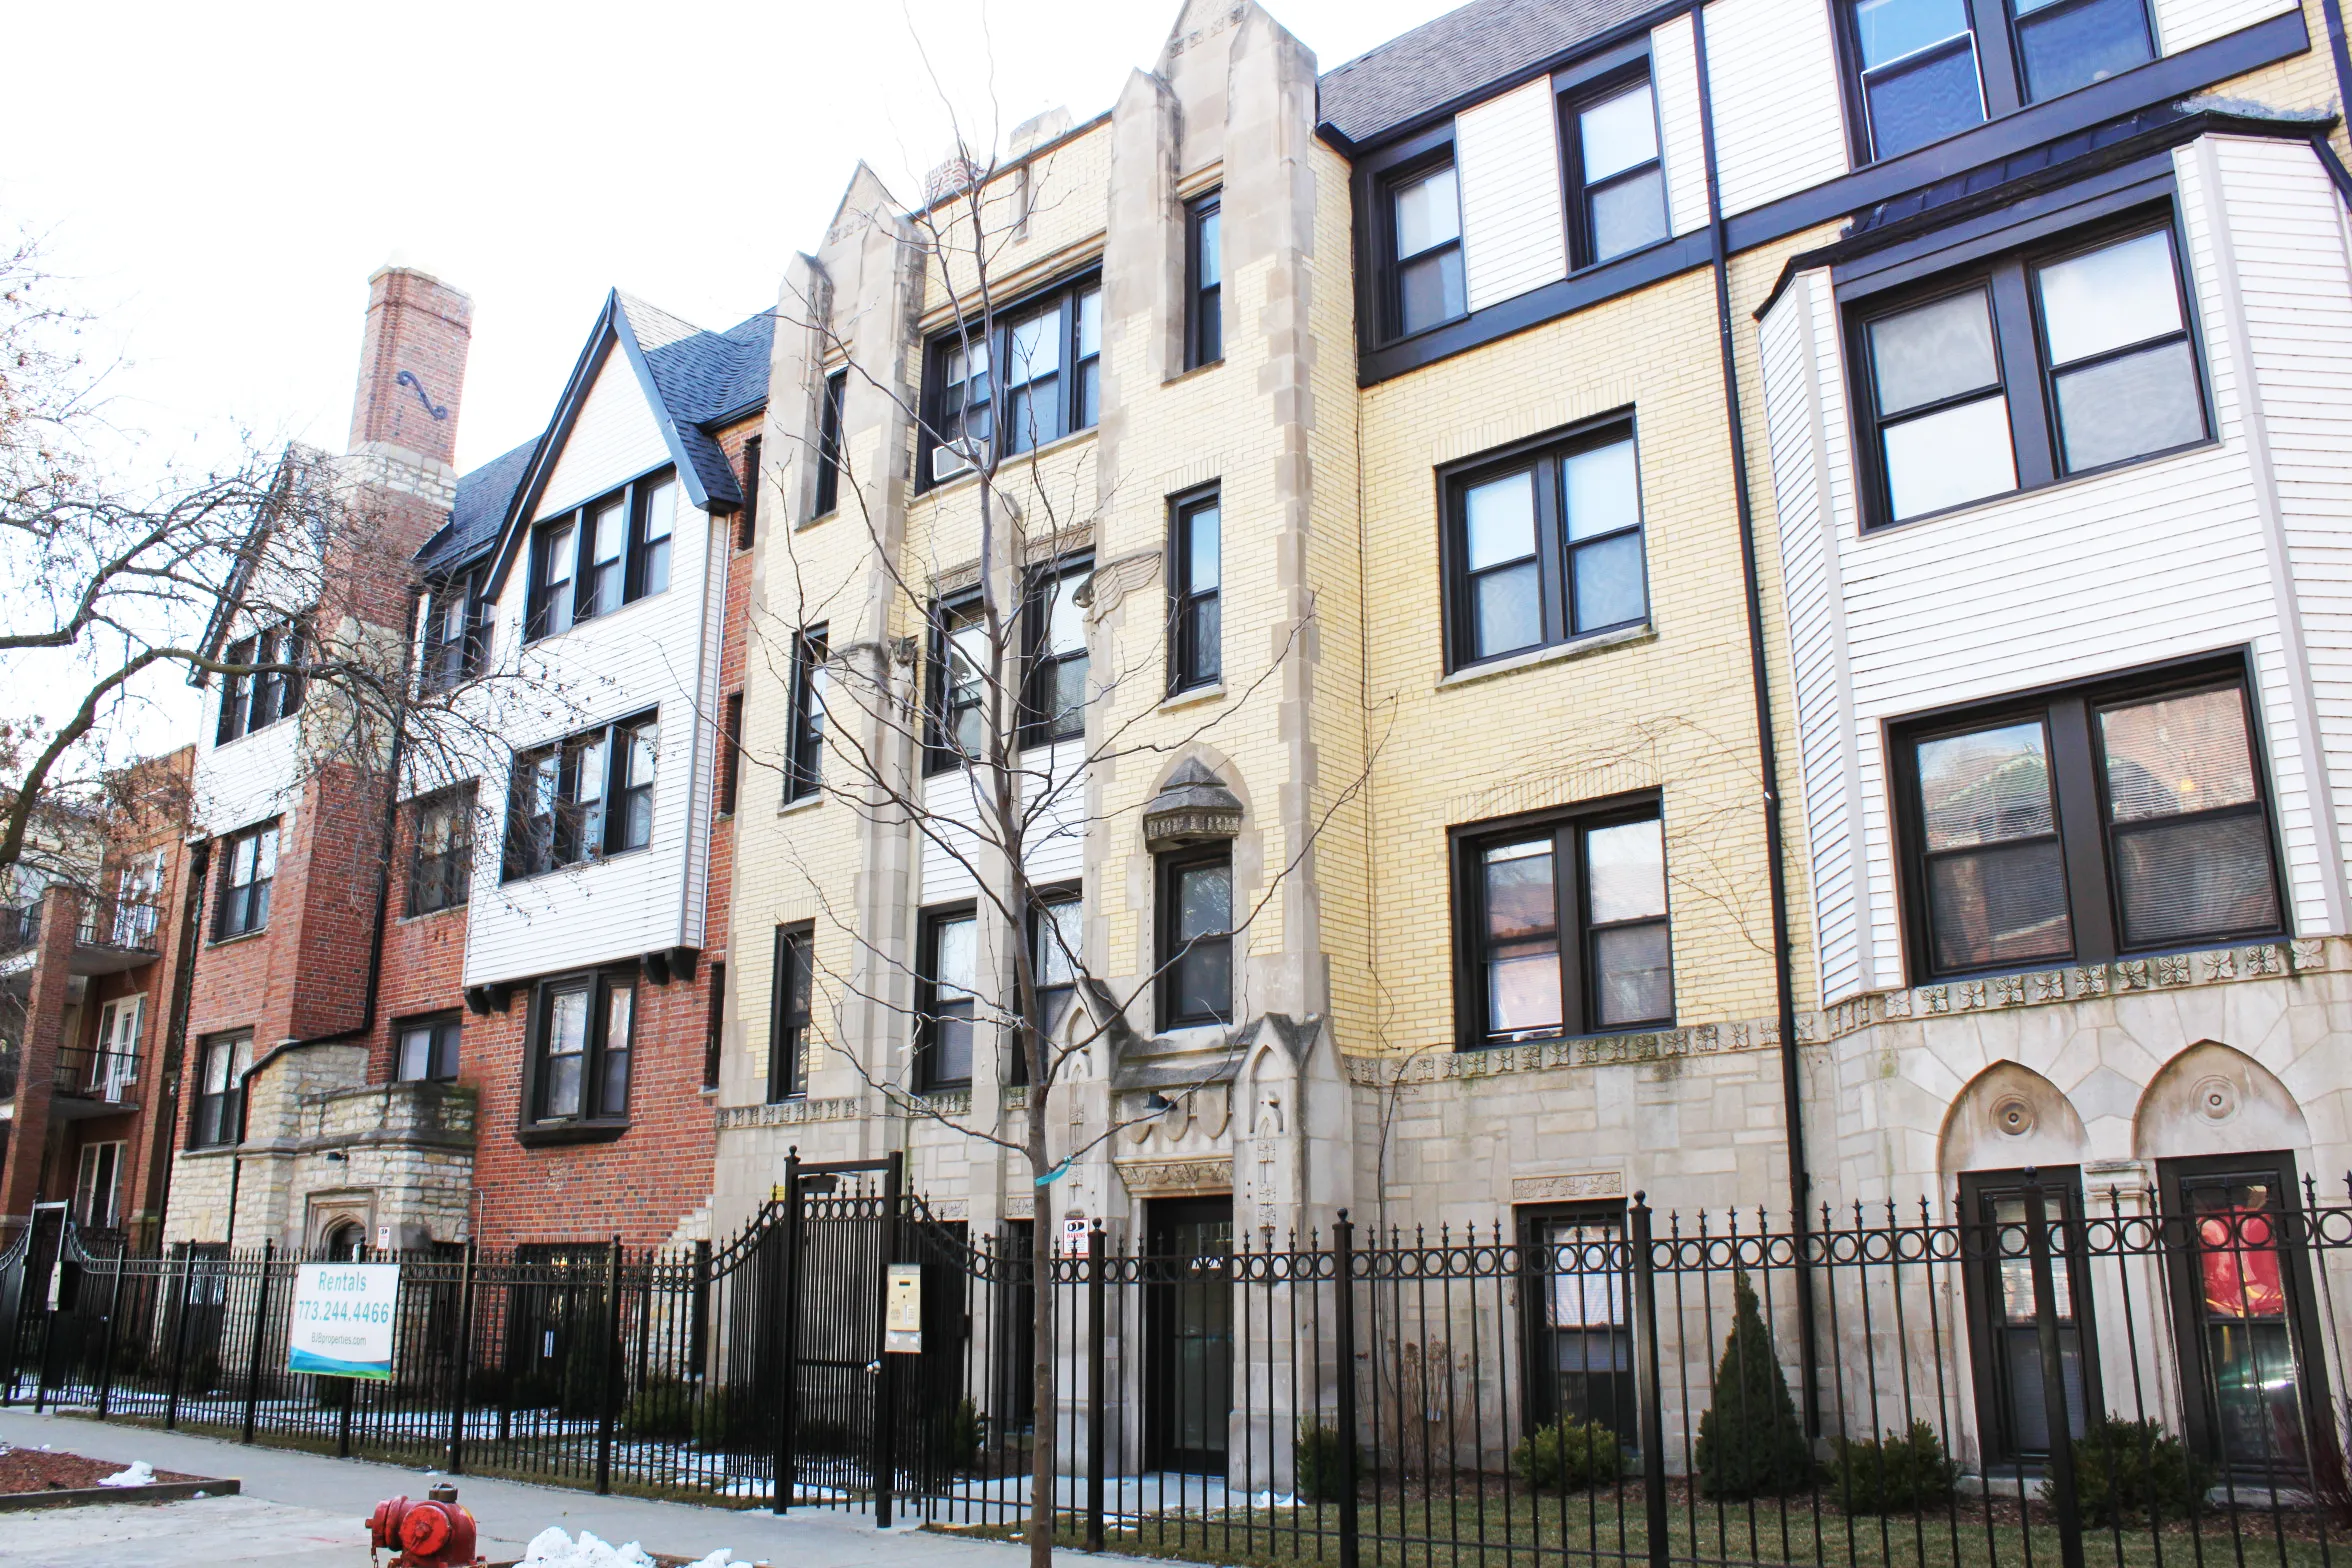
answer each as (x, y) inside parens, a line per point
(412, 364)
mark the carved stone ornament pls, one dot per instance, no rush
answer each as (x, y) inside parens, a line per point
(1194, 805)
(1568, 1184)
(1166, 1176)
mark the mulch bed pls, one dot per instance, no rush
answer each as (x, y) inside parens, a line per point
(40, 1470)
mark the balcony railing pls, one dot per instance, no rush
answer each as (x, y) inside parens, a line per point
(20, 926)
(95, 1075)
(118, 922)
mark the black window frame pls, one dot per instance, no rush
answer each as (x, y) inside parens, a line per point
(1077, 375)
(804, 771)
(445, 1035)
(253, 702)
(1196, 661)
(1984, 1245)
(928, 1006)
(2296, 1239)
(1041, 668)
(731, 753)
(216, 1119)
(1390, 267)
(941, 705)
(1167, 954)
(446, 661)
(2020, 339)
(1573, 929)
(832, 393)
(2079, 799)
(1546, 1389)
(791, 1010)
(1056, 895)
(636, 561)
(597, 1114)
(714, 1024)
(1996, 42)
(1569, 106)
(1204, 304)
(442, 879)
(243, 908)
(567, 840)
(1555, 566)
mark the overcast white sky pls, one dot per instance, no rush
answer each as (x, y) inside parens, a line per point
(218, 181)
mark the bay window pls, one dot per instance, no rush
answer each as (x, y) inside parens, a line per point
(249, 865)
(582, 1038)
(592, 560)
(582, 798)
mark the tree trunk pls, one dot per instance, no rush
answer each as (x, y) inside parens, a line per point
(1043, 1378)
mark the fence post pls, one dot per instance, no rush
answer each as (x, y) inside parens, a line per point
(1343, 1348)
(269, 1258)
(465, 1361)
(1096, 1263)
(179, 1360)
(885, 1370)
(113, 1321)
(2063, 1501)
(1653, 1380)
(788, 1400)
(612, 1362)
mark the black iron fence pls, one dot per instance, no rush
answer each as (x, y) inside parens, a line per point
(2045, 1375)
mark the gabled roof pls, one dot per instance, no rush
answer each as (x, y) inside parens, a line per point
(694, 382)
(1484, 43)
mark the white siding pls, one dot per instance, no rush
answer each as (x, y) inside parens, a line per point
(2164, 559)
(251, 778)
(1779, 118)
(656, 653)
(1674, 74)
(1507, 158)
(2184, 24)
(1057, 837)
(614, 439)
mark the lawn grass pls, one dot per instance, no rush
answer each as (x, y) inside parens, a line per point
(1606, 1529)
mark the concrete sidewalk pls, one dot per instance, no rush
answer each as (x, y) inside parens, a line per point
(315, 1507)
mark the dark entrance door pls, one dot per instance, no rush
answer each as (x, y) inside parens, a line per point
(1996, 1264)
(1580, 1365)
(1188, 1333)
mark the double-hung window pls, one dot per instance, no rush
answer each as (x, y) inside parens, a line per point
(1544, 544)
(441, 864)
(2085, 824)
(961, 673)
(805, 765)
(249, 864)
(260, 698)
(582, 798)
(1195, 927)
(1056, 947)
(582, 1041)
(1619, 185)
(456, 644)
(791, 1003)
(218, 1115)
(1561, 926)
(598, 557)
(731, 754)
(1204, 279)
(835, 392)
(1922, 70)
(1027, 375)
(1196, 575)
(2035, 367)
(946, 996)
(1425, 251)
(1055, 631)
(425, 1049)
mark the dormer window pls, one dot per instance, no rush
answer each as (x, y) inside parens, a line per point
(456, 641)
(613, 551)
(259, 699)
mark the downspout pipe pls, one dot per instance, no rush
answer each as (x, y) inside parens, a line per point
(1767, 753)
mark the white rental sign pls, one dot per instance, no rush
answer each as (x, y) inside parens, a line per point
(343, 1314)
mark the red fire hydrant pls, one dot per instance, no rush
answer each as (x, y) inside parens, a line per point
(435, 1533)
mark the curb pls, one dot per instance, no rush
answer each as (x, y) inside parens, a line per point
(87, 1496)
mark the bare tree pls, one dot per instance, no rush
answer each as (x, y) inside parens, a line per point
(1029, 732)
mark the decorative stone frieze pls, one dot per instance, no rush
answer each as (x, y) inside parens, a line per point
(1568, 1185)
(787, 1113)
(1158, 1178)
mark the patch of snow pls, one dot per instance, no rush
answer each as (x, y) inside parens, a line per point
(141, 1473)
(552, 1548)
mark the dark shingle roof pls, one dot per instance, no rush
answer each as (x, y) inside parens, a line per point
(1462, 51)
(483, 498)
(703, 377)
